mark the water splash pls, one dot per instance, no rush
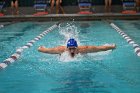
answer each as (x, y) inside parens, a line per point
(99, 55)
(69, 31)
(65, 57)
(1, 26)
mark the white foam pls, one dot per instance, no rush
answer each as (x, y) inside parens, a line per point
(65, 57)
(1, 26)
(99, 55)
(108, 44)
(69, 31)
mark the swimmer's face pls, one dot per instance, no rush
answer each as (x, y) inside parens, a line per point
(72, 51)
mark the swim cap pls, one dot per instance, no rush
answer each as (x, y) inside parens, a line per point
(72, 43)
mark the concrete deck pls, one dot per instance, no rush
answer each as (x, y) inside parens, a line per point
(70, 17)
(26, 14)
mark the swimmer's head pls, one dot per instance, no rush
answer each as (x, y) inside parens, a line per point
(72, 47)
(72, 43)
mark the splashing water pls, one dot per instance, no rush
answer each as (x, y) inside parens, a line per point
(100, 55)
(1, 26)
(65, 57)
(69, 31)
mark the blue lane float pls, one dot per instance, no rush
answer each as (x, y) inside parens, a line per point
(127, 38)
(19, 51)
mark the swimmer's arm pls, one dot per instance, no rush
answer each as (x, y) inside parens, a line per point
(56, 50)
(91, 49)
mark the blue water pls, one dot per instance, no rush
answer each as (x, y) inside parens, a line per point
(114, 71)
(132, 28)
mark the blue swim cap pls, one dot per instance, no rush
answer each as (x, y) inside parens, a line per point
(72, 43)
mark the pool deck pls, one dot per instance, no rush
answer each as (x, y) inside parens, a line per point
(70, 17)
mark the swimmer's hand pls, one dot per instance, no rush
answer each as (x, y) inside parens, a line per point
(41, 48)
(113, 46)
(110, 46)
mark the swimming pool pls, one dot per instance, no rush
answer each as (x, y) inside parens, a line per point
(132, 28)
(114, 71)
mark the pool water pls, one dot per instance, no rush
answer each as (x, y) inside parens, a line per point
(114, 71)
(132, 28)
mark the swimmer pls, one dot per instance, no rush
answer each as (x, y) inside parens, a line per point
(73, 48)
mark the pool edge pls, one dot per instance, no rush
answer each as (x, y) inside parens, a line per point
(69, 17)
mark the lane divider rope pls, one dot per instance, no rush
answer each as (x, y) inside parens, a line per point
(19, 51)
(127, 38)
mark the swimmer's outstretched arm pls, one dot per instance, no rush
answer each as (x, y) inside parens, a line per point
(91, 49)
(56, 50)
